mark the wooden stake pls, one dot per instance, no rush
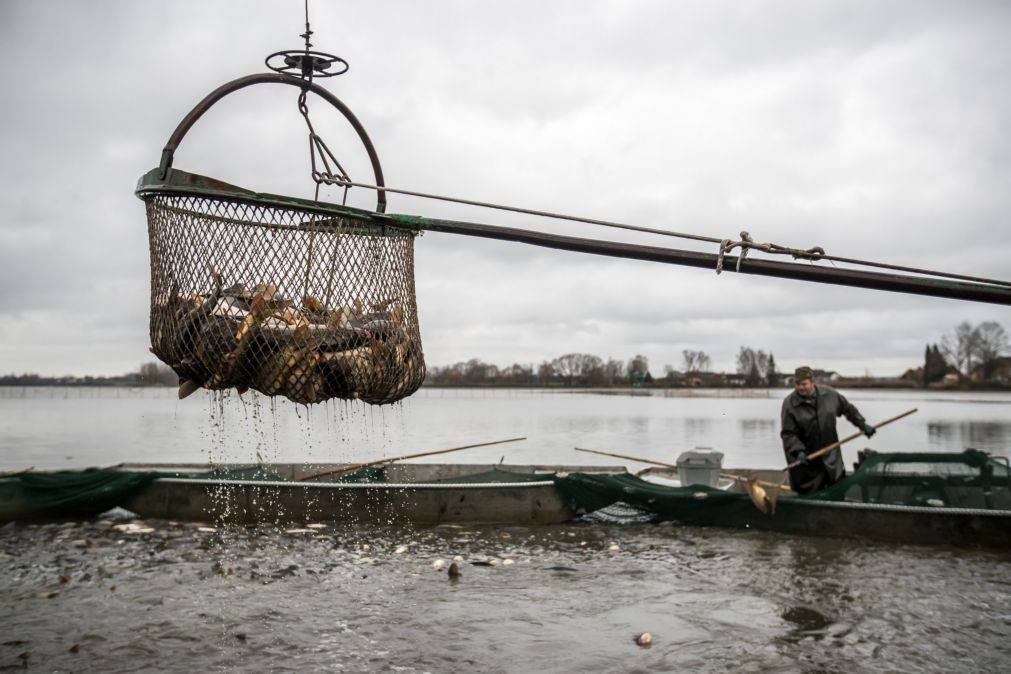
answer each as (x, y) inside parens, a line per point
(391, 459)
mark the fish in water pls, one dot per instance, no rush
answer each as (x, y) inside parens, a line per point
(454, 571)
(645, 639)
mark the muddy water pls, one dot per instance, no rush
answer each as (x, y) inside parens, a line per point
(120, 596)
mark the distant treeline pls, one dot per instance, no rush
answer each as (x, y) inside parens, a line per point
(967, 357)
(149, 374)
(584, 370)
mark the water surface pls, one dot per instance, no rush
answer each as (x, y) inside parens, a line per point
(363, 599)
(119, 596)
(72, 427)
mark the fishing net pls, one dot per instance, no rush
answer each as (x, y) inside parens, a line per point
(67, 494)
(289, 297)
(969, 479)
(282, 298)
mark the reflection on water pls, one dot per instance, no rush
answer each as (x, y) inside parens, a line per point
(697, 432)
(985, 435)
(753, 430)
(76, 427)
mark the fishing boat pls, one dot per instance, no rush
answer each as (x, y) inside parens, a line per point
(399, 493)
(961, 499)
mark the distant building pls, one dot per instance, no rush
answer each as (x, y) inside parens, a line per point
(1000, 371)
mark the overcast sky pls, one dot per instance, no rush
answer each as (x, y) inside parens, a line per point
(876, 130)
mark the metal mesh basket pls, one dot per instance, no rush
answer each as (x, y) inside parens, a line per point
(284, 296)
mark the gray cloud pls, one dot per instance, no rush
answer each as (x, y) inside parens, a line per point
(873, 129)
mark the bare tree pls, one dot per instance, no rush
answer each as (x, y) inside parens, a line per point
(519, 375)
(695, 361)
(638, 368)
(567, 367)
(579, 368)
(753, 365)
(960, 346)
(156, 374)
(613, 370)
(991, 343)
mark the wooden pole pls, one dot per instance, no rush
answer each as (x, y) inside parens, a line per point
(839, 443)
(391, 459)
(729, 476)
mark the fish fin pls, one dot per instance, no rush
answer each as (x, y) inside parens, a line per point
(188, 387)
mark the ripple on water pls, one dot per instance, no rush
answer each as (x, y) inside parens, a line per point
(168, 596)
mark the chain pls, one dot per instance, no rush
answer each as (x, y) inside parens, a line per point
(317, 146)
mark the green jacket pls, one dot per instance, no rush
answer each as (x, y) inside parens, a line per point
(809, 425)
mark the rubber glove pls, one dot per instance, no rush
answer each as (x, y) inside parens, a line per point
(868, 430)
(802, 458)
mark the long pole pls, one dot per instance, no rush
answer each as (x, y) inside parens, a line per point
(839, 443)
(903, 283)
(391, 459)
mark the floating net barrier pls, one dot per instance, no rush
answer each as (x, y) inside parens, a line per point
(289, 297)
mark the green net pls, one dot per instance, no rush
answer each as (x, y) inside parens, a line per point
(67, 494)
(592, 492)
(258, 473)
(495, 475)
(970, 479)
(366, 474)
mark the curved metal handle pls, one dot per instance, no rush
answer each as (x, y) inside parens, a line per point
(168, 154)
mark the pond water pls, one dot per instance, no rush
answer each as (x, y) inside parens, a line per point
(74, 427)
(117, 595)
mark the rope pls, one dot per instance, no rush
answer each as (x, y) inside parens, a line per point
(747, 243)
(814, 254)
(525, 211)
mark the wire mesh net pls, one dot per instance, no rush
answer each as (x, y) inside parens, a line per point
(283, 300)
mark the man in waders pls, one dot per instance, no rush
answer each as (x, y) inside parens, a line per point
(809, 415)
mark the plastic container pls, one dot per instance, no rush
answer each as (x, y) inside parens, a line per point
(700, 466)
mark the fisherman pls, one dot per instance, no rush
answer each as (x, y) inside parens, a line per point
(809, 415)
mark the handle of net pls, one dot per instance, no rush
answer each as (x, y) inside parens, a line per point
(839, 443)
(168, 153)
